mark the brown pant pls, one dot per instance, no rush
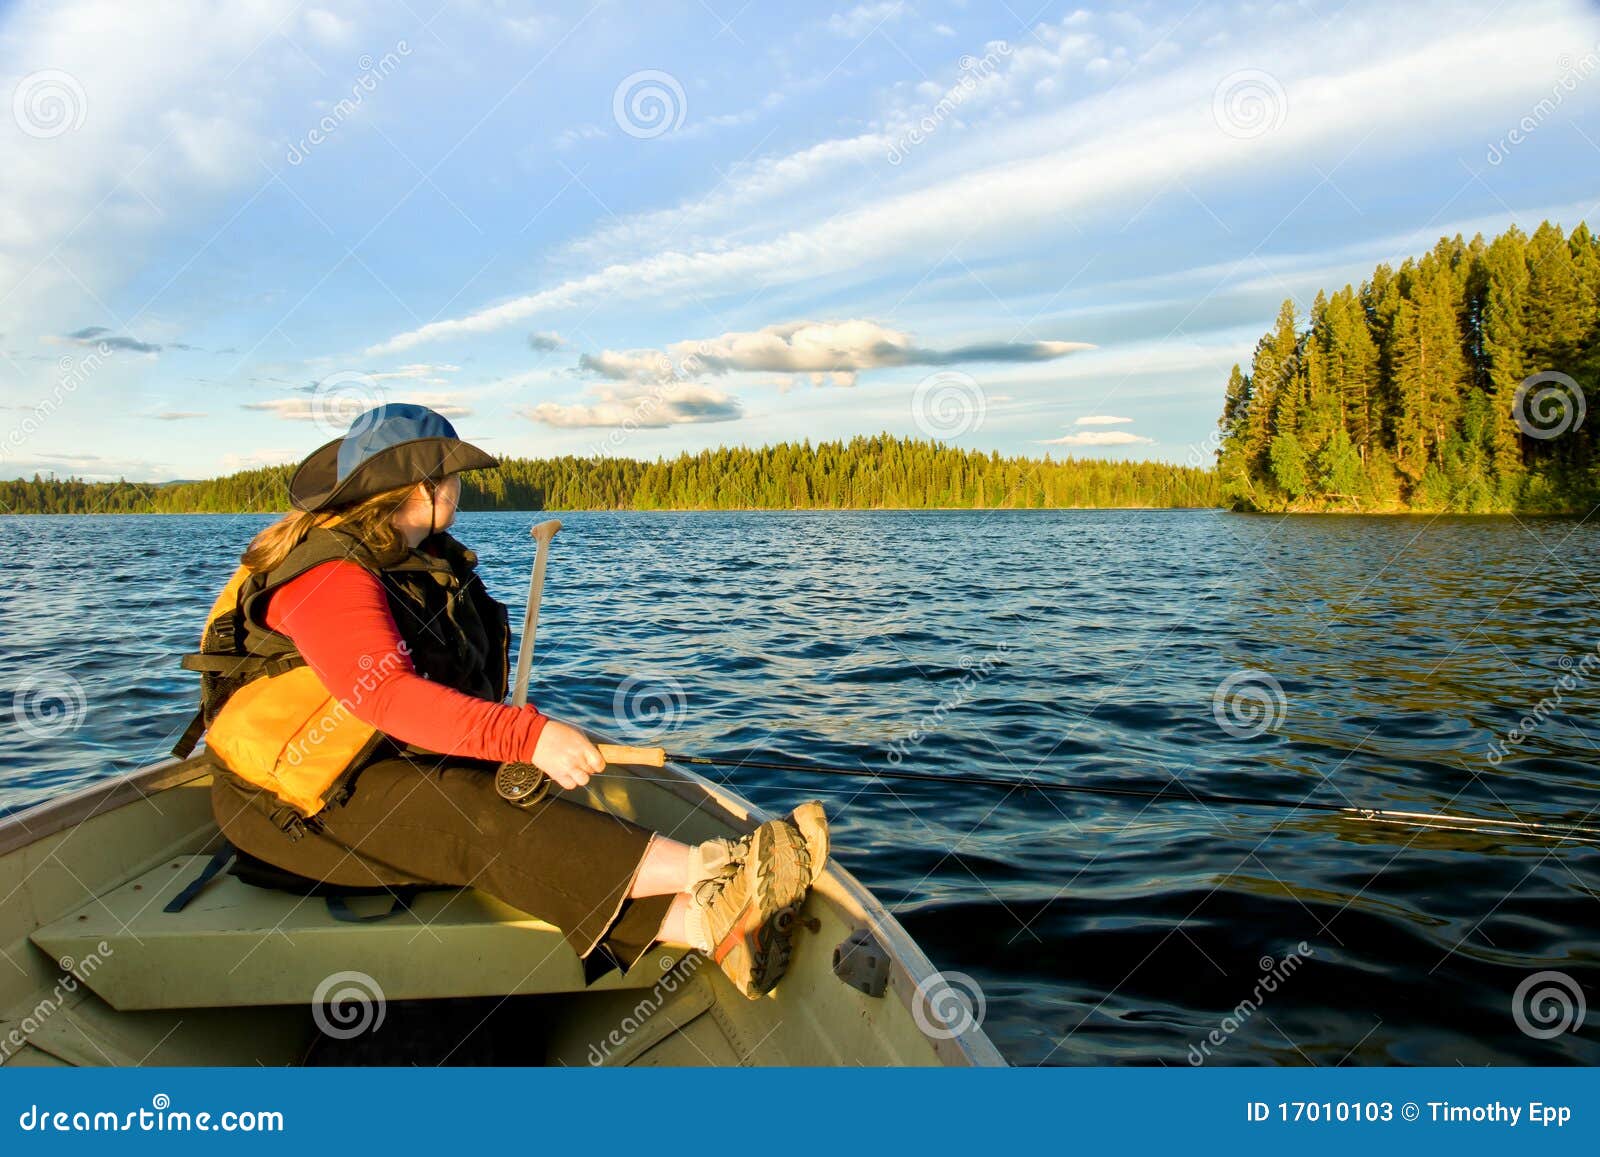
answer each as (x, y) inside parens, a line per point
(413, 822)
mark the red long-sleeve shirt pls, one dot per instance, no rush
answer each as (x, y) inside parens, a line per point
(338, 617)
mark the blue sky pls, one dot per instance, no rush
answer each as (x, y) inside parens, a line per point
(641, 229)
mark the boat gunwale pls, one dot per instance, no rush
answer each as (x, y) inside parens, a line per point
(908, 963)
(37, 821)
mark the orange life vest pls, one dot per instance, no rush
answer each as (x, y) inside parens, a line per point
(269, 719)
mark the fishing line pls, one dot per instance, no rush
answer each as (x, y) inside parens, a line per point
(1510, 824)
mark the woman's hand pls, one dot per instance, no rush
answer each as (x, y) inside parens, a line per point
(565, 754)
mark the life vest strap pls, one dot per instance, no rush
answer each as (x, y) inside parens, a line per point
(339, 908)
(337, 902)
(236, 665)
(221, 859)
(191, 735)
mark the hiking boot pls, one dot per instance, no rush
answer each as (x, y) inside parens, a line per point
(709, 857)
(812, 825)
(742, 916)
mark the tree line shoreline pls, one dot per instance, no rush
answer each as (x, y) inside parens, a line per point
(1458, 383)
(865, 473)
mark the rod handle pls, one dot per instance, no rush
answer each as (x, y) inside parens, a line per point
(617, 753)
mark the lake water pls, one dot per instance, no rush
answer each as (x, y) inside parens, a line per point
(1379, 661)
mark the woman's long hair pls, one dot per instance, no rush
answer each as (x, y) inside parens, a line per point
(370, 520)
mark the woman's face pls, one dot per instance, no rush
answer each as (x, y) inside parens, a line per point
(446, 497)
(418, 514)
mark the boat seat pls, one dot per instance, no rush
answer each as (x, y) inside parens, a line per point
(236, 945)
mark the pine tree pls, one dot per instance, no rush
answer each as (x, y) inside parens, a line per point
(1404, 393)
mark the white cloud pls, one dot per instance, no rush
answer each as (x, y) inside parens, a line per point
(584, 132)
(328, 27)
(1099, 438)
(417, 371)
(255, 460)
(747, 184)
(90, 467)
(310, 408)
(1100, 420)
(651, 408)
(827, 351)
(166, 112)
(527, 29)
(865, 18)
(1119, 148)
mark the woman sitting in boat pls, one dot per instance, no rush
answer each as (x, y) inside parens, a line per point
(355, 669)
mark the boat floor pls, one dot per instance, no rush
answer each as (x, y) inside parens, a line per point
(93, 971)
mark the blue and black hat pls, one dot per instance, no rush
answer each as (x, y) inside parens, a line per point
(393, 445)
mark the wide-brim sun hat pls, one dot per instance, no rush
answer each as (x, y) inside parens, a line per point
(393, 445)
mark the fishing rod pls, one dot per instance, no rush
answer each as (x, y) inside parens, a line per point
(1510, 824)
(524, 784)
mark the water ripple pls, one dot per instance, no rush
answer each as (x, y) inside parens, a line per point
(1079, 648)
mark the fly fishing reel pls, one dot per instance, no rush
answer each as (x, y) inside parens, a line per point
(521, 784)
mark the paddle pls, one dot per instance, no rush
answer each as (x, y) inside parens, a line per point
(523, 783)
(542, 534)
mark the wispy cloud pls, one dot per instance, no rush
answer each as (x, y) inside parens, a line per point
(256, 459)
(418, 371)
(1100, 154)
(864, 18)
(99, 335)
(1099, 438)
(828, 351)
(314, 409)
(1100, 420)
(650, 408)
